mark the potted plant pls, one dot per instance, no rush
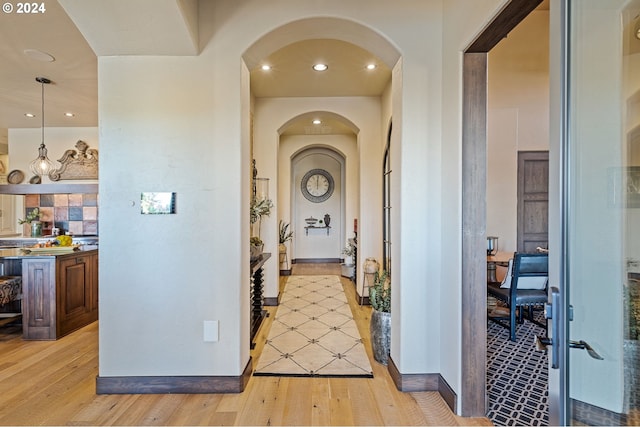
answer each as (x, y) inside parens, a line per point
(285, 236)
(260, 208)
(347, 266)
(256, 246)
(380, 325)
(33, 218)
(257, 210)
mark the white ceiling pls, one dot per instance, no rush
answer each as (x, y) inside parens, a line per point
(74, 70)
(105, 24)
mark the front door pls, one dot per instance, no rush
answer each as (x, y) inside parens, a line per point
(595, 219)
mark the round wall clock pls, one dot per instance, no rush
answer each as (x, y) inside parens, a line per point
(317, 185)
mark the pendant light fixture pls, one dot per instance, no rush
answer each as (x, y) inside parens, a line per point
(42, 166)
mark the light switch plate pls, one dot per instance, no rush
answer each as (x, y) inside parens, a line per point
(210, 333)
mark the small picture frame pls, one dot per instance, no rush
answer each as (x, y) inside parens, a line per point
(157, 203)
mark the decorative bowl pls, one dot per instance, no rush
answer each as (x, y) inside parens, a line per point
(311, 221)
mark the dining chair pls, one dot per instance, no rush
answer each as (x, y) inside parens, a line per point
(524, 287)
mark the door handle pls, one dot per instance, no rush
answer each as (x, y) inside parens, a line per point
(585, 346)
(551, 312)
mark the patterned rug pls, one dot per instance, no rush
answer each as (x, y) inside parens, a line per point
(313, 333)
(517, 376)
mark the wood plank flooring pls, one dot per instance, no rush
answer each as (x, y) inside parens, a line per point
(53, 383)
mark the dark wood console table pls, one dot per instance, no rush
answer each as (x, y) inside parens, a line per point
(256, 295)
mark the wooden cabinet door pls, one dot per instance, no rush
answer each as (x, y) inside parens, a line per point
(77, 304)
(7, 214)
(39, 299)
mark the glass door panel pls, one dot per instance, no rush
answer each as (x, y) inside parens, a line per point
(602, 215)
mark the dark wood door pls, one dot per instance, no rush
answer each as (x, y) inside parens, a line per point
(533, 200)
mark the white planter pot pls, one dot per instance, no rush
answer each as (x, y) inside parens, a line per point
(346, 270)
(371, 266)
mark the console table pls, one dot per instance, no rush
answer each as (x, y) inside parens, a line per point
(306, 229)
(256, 295)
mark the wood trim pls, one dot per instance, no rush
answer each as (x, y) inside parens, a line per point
(423, 382)
(21, 189)
(271, 301)
(175, 384)
(474, 219)
(506, 20)
(474, 170)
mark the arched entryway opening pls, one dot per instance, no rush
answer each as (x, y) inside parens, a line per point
(276, 118)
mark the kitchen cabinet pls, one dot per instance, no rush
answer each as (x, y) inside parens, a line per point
(60, 294)
(7, 214)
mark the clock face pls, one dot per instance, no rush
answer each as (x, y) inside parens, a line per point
(317, 185)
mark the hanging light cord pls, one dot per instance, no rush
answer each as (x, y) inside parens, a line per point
(43, 81)
(42, 166)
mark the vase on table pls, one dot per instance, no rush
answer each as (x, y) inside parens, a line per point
(36, 229)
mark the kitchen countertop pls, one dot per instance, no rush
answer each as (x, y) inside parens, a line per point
(20, 253)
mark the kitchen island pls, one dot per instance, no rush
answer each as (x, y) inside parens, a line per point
(59, 289)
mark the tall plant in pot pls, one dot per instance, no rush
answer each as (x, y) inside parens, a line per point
(257, 210)
(285, 236)
(380, 326)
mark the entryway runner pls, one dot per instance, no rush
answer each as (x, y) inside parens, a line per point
(313, 333)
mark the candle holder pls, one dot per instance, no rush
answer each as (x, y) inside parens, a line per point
(492, 245)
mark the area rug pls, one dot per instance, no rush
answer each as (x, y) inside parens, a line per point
(517, 376)
(313, 333)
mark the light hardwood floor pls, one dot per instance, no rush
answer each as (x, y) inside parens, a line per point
(53, 383)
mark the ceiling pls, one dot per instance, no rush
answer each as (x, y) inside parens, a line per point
(73, 71)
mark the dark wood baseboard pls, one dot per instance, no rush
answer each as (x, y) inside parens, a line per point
(271, 301)
(174, 384)
(423, 382)
(285, 272)
(316, 261)
(588, 414)
(363, 300)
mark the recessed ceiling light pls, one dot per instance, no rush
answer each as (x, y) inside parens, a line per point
(371, 66)
(317, 121)
(38, 55)
(320, 67)
(69, 115)
(266, 67)
(30, 115)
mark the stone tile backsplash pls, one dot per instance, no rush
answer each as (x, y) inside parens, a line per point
(75, 213)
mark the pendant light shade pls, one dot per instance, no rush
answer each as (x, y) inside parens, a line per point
(41, 165)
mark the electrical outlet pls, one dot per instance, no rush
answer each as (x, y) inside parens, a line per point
(210, 331)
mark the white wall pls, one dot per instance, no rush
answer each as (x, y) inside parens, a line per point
(274, 155)
(181, 124)
(24, 144)
(346, 145)
(518, 118)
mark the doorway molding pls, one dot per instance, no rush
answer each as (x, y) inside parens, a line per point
(474, 209)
